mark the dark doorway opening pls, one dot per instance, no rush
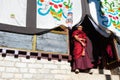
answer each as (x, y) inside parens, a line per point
(99, 43)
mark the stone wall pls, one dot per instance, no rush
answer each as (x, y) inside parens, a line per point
(32, 69)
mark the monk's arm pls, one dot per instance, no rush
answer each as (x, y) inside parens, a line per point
(81, 40)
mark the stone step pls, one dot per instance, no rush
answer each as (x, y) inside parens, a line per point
(86, 76)
(100, 71)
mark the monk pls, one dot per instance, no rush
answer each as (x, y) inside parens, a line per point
(80, 55)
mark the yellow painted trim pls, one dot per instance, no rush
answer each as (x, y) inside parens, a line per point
(112, 62)
(59, 32)
(34, 41)
(68, 41)
(116, 49)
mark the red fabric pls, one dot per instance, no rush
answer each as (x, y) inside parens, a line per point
(89, 49)
(82, 63)
(78, 48)
(109, 50)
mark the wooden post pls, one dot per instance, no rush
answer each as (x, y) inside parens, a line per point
(34, 41)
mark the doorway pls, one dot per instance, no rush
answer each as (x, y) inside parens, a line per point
(99, 43)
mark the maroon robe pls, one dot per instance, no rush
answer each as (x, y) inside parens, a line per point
(78, 47)
(80, 62)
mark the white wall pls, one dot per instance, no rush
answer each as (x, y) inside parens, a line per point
(32, 69)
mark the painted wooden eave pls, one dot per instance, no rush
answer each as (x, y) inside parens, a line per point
(32, 54)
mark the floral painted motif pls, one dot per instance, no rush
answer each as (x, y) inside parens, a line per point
(110, 10)
(57, 8)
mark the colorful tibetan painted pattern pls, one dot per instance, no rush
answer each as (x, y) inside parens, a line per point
(110, 10)
(57, 8)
